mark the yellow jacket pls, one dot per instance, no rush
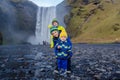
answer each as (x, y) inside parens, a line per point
(51, 37)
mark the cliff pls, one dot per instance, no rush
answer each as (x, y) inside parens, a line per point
(94, 21)
(17, 20)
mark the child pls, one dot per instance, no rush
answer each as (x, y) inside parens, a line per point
(60, 28)
(63, 52)
(55, 33)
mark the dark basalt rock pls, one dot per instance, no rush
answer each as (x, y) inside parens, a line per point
(89, 62)
(1, 39)
(17, 20)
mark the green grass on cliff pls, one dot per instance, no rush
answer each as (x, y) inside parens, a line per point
(102, 26)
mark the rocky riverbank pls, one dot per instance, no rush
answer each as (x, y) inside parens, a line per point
(89, 62)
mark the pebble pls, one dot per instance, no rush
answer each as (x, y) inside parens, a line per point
(42, 70)
(103, 70)
(118, 72)
(97, 77)
(3, 65)
(88, 63)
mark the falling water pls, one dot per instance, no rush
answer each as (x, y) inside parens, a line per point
(44, 18)
(47, 11)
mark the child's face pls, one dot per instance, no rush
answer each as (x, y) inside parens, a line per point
(63, 38)
(55, 24)
(55, 33)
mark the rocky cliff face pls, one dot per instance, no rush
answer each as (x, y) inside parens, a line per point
(1, 39)
(17, 20)
(63, 9)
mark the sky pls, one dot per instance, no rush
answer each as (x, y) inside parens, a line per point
(47, 3)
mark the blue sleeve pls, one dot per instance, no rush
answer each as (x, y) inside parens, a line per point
(55, 41)
(70, 45)
(55, 49)
(69, 42)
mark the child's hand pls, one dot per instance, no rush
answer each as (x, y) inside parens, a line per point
(58, 47)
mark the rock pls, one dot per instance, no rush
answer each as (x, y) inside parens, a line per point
(49, 79)
(91, 72)
(96, 65)
(102, 70)
(115, 76)
(118, 72)
(88, 69)
(38, 56)
(87, 66)
(63, 8)
(1, 38)
(42, 70)
(20, 59)
(37, 73)
(109, 68)
(71, 1)
(77, 66)
(3, 65)
(78, 78)
(20, 17)
(72, 76)
(6, 60)
(67, 19)
(49, 66)
(97, 76)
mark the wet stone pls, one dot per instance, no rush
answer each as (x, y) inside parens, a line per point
(49, 66)
(42, 70)
(102, 70)
(3, 65)
(97, 76)
(118, 72)
(89, 62)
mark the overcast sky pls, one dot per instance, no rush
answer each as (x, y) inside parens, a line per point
(46, 3)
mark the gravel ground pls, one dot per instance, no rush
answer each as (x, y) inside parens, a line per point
(89, 62)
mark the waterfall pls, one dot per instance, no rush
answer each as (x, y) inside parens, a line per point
(45, 16)
(47, 11)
